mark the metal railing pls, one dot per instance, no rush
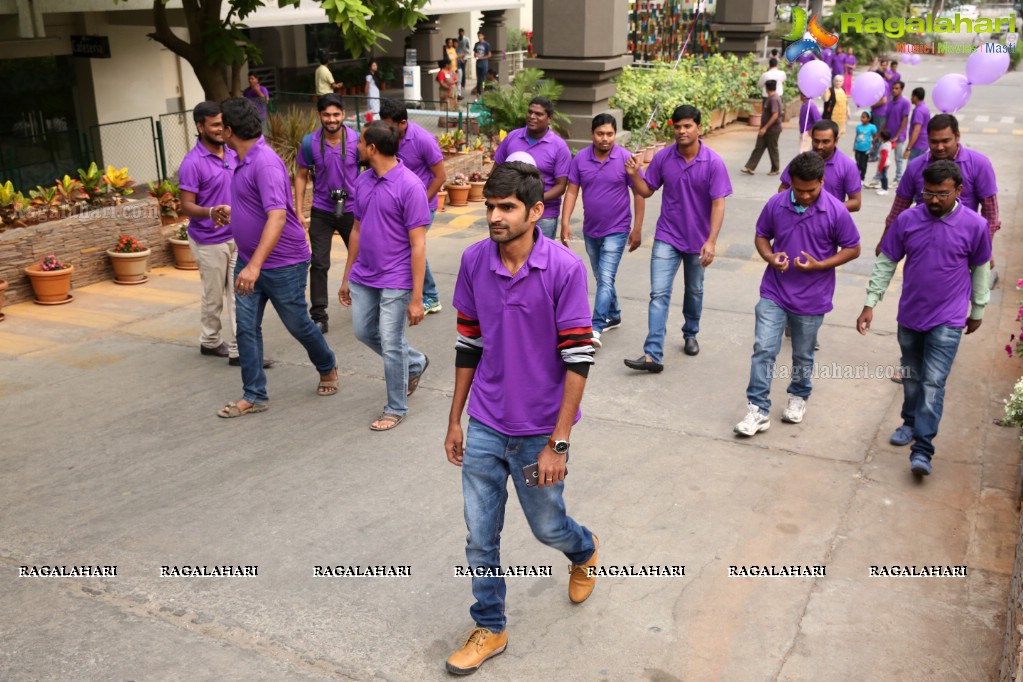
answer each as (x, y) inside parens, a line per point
(130, 144)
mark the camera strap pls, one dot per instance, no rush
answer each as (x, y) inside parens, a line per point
(343, 150)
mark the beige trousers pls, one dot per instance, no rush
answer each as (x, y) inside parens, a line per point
(216, 270)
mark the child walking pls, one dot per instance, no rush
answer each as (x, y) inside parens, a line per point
(865, 132)
(884, 155)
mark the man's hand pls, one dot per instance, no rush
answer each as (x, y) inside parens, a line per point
(779, 261)
(415, 312)
(632, 165)
(707, 253)
(905, 154)
(454, 444)
(246, 282)
(877, 250)
(344, 294)
(221, 215)
(635, 238)
(864, 320)
(761, 132)
(566, 233)
(808, 263)
(551, 469)
(972, 325)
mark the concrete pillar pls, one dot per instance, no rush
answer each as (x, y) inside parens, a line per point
(429, 46)
(742, 24)
(496, 31)
(583, 59)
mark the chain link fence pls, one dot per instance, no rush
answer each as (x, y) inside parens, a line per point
(176, 136)
(128, 144)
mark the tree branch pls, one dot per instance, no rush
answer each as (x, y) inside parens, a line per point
(163, 35)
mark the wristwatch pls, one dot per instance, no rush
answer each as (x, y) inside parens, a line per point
(560, 447)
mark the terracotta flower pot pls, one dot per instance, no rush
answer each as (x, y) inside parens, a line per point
(754, 120)
(51, 287)
(458, 195)
(648, 153)
(130, 268)
(476, 191)
(441, 197)
(184, 259)
(169, 220)
(3, 288)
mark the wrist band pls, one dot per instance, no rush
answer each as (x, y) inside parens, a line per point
(211, 212)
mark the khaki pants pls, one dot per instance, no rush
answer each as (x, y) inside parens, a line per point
(216, 270)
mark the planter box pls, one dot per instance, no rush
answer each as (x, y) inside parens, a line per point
(82, 240)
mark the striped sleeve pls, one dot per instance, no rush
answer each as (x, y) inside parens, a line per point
(469, 346)
(576, 348)
(989, 210)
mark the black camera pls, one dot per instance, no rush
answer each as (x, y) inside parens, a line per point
(339, 197)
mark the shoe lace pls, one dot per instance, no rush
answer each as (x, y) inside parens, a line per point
(477, 636)
(752, 415)
(795, 402)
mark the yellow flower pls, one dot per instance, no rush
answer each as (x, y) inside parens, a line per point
(501, 135)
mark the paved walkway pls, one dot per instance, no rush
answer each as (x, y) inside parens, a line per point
(112, 455)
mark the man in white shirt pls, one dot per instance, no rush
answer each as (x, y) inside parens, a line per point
(775, 74)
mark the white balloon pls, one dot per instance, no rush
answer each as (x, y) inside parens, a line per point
(523, 157)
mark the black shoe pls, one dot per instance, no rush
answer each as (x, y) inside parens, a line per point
(322, 324)
(220, 351)
(692, 347)
(237, 362)
(643, 364)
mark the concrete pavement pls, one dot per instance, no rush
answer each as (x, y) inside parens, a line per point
(112, 455)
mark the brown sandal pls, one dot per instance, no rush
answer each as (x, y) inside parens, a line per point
(389, 420)
(328, 387)
(231, 410)
(413, 382)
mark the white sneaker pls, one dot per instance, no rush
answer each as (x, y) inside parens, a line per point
(753, 423)
(793, 414)
(882, 192)
(596, 340)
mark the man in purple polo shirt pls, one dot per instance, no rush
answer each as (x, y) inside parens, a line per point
(841, 177)
(808, 116)
(879, 111)
(330, 158)
(980, 189)
(205, 182)
(273, 259)
(803, 234)
(916, 144)
(947, 248)
(599, 170)
(695, 183)
(897, 123)
(421, 154)
(383, 282)
(524, 349)
(550, 154)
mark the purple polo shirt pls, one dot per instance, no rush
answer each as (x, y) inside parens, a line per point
(520, 379)
(254, 97)
(921, 116)
(824, 227)
(388, 207)
(208, 177)
(850, 64)
(419, 150)
(838, 64)
(978, 178)
(806, 120)
(260, 185)
(841, 176)
(553, 160)
(898, 109)
(689, 190)
(333, 172)
(882, 109)
(605, 191)
(939, 252)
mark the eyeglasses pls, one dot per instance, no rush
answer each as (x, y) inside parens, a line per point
(936, 195)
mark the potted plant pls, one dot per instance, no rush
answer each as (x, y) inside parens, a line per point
(130, 261)
(184, 259)
(476, 182)
(168, 196)
(51, 280)
(458, 190)
(119, 184)
(441, 198)
(458, 138)
(446, 142)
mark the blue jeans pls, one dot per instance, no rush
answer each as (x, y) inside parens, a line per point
(430, 292)
(898, 150)
(913, 153)
(378, 320)
(285, 289)
(605, 254)
(490, 458)
(926, 361)
(879, 122)
(771, 322)
(664, 263)
(549, 226)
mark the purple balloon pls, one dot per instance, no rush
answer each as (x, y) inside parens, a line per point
(806, 58)
(984, 68)
(814, 78)
(951, 93)
(906, 58)
(914, 58)
(867, 89)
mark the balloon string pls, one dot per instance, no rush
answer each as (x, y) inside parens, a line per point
(657, 105)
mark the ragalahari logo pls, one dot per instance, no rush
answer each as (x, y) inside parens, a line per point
(808, 38)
